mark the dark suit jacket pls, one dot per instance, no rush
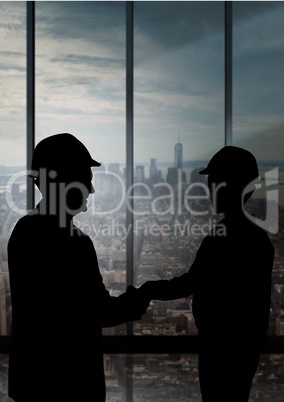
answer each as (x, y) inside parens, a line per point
(230, 284)
(59, 306)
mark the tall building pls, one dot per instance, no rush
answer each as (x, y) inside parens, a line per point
(113, 167)
(178, 155)
(140, 176)
(153, 174)
(198, 182)
(176, 174)
(3, 312)
(172, 176)
(112, 178)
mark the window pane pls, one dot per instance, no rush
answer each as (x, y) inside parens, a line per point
(174, 378)
(12, 138)
(258, 63)
(3, 376)
(178, 126)
(80, 89)
(155, 377)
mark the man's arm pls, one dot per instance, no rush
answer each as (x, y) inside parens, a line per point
(115, 310)
(181, 286)
(134, 302)
(176, 288)
(129, 306)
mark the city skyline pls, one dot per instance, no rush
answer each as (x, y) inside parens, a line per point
(171, 172)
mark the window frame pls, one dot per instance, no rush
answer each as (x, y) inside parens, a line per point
(130, 344)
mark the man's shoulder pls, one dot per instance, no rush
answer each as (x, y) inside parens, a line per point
(23, 223)
(20, 236)
(78, 236)
(78, 233)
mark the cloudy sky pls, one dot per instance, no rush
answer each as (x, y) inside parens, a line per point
(178, 77)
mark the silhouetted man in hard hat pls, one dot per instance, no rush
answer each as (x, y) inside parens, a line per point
(230, 281)
(59, 301)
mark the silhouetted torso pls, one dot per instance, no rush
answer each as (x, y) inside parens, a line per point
(59, 306)
(230, 281)
(234, 280)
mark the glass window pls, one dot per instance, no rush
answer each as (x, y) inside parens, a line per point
(174, 378)
(3, 376)
(80, 89)
(258, 99)
(178, 126)
(154, 377)
(12, 138)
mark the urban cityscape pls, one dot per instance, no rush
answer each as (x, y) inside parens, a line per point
(171, 216)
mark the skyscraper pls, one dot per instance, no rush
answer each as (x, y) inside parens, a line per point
(140, 176)
(178, 155)
(176, 173)
(153, 171)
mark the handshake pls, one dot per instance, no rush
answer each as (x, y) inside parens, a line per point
(150, 290)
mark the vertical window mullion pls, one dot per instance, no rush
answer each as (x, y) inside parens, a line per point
(228, 72)
(129, 144)
(129, 180)
(30, 97)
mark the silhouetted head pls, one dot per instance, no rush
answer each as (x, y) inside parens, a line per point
(60, 153)
(232, 175)
(61, 168)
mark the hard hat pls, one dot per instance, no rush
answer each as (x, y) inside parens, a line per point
(59, 152)
(233, 163)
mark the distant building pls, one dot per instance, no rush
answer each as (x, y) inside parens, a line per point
(139, 174)
(176, 174)
(162, 307)
(178, 156)
(113, 167)
(99, 179)
(112, 178)
(172, 176)
(197, 182)
(16, 192)
(153, 174)
(3, 312)
(196, 177)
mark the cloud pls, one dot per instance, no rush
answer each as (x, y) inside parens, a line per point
(264, 139)
(92, 61)
(160, 29)
(179, 75)
(91, 21)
